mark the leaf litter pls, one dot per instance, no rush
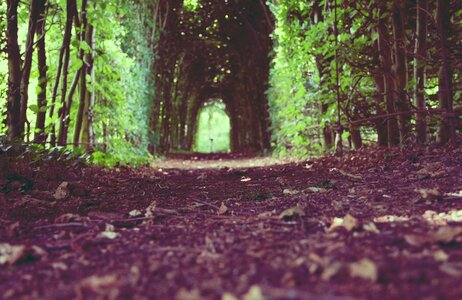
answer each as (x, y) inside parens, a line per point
(330, 228)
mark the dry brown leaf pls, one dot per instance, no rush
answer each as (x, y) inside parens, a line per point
(446, 234)
(254, 293)
(184, 294)
(100, 284)
(11, 254)
(428, 194)
(265, 214)
(62, 192)
(135, 213)
(440, 255)
(371, 227)
(331, 270)
(291, 213)
(348, 222)
(452, 269)
(223, 209)
(228, 296)
(290, 192)
(416, 240)
(365, 269)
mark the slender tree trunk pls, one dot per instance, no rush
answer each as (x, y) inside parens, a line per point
(419, 70)
(27, 65)
(400, 69)
(14, 72)
(380, 125)
(70, 10)
(386, 62)
(86, 134)
(446, 130)
(355, 135)
(64, 51)
(66, 113)
(40, 137)
(83, 75)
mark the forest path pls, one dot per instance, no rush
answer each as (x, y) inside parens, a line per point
(371, 225)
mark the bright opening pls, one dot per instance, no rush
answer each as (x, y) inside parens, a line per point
(213, 133)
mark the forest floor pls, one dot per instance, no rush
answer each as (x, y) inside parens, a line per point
(375, 224)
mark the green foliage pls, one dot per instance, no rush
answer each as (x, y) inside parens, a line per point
(214, 129)
(123, 84)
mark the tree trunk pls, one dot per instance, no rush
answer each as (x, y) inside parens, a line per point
(61, 60)
(446, 130)
(14, 72)
(380, 124)
(27, 65)
(355, 135)
(386, 62)
(86, 133)
(70, 10)
(400, 69)
(40, 137)
(419, 70)
(83, 75)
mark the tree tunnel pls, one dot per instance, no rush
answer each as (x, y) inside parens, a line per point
(212, 50)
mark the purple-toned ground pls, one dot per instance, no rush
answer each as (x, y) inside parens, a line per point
(374, 224)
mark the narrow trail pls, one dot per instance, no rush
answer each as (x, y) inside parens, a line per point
(372, 225)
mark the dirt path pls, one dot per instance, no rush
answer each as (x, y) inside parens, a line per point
(373, 225)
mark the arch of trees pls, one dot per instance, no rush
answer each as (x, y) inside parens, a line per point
(217, 49)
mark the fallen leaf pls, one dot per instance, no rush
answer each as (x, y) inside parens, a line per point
(265, 214)
(228, 296)
(254, 293)
(291, 213)
(440, 255)
(62, 192)
(365, 269)
(348, 222)
(109, 232)
(370, 227)
(245, 179)
(429, 194)
(290, 192)
(12, 254)
(135, 213)
(331, 270)
(416, 240)
(223, 209)
(446, 234)
(99, 284)
(184, 294)
(66, 218)
(391, 219)
(452, 269)
(108, 235)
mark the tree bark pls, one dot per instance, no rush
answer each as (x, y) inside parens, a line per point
(14, 72)
(386, 62)
(400, 71)
(40, 137)
(63, 53)
(70, 10)
(86, 133)
(27, 65)
(419, 70)
(83, 75)
(446, 130)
